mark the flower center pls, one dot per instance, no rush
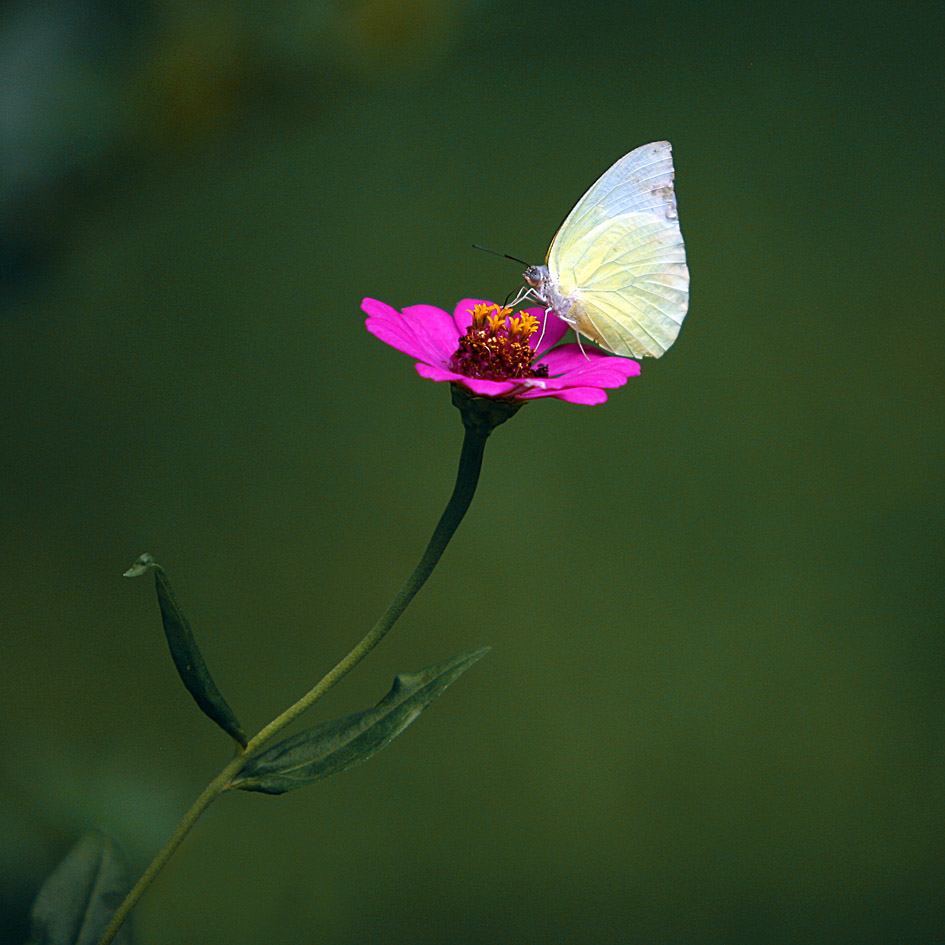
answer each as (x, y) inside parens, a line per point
(496, 346)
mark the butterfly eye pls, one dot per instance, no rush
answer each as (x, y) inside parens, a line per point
(532, 276)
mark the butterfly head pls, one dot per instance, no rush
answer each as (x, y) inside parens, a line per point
(535, 276)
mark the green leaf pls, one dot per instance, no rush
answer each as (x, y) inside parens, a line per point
(186, 654)
(335, 746)
(81, 895)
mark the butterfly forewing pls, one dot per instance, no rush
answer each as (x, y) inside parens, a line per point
(641, 181)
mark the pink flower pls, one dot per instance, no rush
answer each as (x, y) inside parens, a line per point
(491, 354)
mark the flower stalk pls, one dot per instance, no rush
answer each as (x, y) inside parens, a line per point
(480, 417)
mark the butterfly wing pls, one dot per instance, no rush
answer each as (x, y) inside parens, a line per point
(620, 258)
(628, 284)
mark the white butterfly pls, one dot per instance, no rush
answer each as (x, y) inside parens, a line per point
(616, 270)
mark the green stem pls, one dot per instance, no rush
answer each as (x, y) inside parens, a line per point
(467, 477)
(209, 794)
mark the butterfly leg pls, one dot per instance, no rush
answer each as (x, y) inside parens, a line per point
(577, 338)
(523, 293)
(544, 324)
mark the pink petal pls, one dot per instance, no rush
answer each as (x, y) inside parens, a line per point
(417, 333)
(477, 386)
(573, 395)
(489, 388)
(569, 359)
(392, 328)
(434, 372)
(599, 377)
(600, 370)
(602, 376)
(438, 327)
(550, 333)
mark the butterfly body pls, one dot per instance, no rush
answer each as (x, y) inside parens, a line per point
(616, 269)
(545, 289)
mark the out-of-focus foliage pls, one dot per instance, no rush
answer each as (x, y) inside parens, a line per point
(92, 91)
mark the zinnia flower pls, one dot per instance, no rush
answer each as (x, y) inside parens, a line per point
(491, 353)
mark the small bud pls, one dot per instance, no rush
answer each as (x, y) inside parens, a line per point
(141, 566)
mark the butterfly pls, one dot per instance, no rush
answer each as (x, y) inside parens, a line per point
(616, 269)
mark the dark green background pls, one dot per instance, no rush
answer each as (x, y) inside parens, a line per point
(715, 706)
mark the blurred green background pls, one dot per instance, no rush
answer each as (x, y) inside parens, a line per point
(715, 706)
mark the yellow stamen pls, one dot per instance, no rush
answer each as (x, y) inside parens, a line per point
(480, 314)
(523, 327)
(496, 347)
(496, 321)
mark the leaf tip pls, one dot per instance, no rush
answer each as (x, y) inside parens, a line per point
(144, 563)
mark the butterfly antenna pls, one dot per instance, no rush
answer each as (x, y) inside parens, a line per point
(503, 255)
